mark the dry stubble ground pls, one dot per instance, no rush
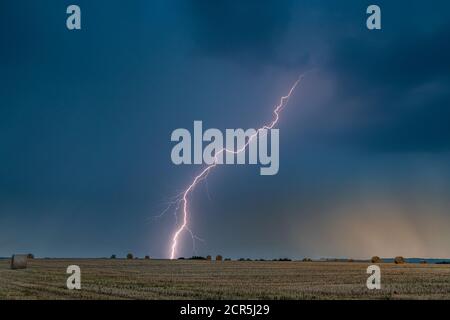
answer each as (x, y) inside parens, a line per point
(163, 279)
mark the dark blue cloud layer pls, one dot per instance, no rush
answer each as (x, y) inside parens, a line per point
(86, 116)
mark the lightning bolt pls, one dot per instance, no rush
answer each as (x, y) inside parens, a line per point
(204, 173)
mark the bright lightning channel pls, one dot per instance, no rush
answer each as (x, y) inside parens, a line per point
(203, 174)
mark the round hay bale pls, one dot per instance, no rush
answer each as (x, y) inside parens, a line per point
(147, 257)
(19, 261)
(219, 258)
(376, 259)
(399, 260)
(208, 257)
(129, 256)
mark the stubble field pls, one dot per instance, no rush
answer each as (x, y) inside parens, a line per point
(187, 279)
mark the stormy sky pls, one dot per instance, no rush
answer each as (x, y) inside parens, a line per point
(86, 118)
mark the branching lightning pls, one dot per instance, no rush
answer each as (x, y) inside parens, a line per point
(184, 196)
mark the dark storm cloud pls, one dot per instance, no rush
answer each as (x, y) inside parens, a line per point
(423, 129)
(397, 63)
(392, 83)
(86, 117)
(404, 84)
(246, 32)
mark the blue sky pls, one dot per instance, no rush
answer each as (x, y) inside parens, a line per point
(86, 118)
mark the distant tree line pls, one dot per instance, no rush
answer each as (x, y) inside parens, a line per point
(130, 256)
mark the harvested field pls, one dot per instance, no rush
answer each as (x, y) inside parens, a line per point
(187, 279)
